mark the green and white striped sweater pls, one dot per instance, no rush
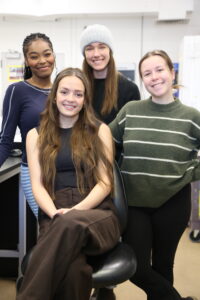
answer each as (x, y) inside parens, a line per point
(160, 143)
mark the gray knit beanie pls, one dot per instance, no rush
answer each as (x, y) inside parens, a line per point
(96, 33)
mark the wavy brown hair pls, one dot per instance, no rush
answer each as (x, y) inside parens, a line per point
(111, 84)
(88, 149)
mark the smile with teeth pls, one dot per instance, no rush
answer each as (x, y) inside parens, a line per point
(69, 106)
(157, 84)
(43, 68)
(97, 60)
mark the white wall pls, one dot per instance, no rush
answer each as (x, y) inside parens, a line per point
(133, 34)
(40, 8)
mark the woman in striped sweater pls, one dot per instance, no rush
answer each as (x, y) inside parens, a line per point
(161, 139)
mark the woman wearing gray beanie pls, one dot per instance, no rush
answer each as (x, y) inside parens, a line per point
(110, 89)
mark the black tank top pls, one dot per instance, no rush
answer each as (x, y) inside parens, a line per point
(65, 170)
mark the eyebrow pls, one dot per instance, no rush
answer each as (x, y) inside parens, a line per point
(159, 66)
(35, 52)
(65, 88)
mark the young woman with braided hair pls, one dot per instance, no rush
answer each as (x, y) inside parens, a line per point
(25, 100)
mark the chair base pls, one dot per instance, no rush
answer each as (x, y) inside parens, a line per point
(103, 294)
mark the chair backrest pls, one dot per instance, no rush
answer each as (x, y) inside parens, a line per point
(119, 197)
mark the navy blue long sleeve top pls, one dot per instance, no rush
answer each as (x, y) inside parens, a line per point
(22, 106)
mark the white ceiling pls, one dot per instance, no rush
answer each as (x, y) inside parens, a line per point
(51, 9)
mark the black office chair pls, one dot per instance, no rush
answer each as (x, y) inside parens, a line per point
(116, 265)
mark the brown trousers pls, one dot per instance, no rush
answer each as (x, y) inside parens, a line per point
(58, 269)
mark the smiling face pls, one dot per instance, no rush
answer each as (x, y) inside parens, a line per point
(97, 56)
(158, 78)
(40, 58)
(69, 100)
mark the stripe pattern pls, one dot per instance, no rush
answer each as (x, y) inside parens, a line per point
(27, 189)
(160, 143)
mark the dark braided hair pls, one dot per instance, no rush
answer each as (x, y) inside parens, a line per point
(27, 41)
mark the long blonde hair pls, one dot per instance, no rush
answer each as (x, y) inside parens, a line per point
(111, 84)
(87, 147)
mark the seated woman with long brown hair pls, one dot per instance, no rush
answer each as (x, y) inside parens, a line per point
(70, 157)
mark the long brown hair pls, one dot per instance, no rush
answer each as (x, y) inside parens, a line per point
(87, 147)
(111, 84)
